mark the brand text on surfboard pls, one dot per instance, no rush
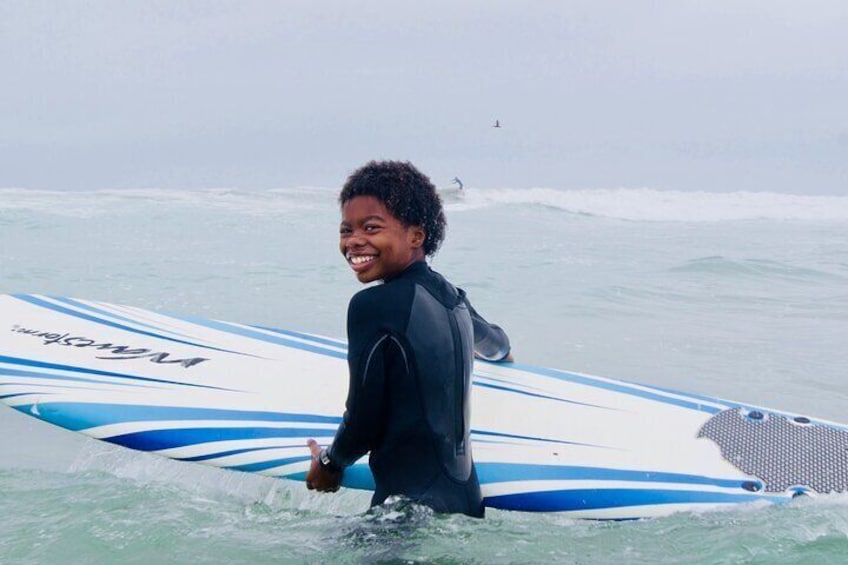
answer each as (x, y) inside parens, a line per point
(115, 352)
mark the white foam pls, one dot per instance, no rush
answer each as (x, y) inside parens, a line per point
(85, 204)
(646, 204)
(635, 204)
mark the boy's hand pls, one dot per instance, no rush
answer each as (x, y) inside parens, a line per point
(319, 477)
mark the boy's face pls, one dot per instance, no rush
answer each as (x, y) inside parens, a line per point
(376, 244)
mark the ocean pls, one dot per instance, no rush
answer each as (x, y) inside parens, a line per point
(736, 295)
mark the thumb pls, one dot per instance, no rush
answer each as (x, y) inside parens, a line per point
(314, 448)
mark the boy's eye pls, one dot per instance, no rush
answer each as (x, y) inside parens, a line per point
(371, 227)
(344, 230)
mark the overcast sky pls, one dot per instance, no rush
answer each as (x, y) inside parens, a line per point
(684, 95)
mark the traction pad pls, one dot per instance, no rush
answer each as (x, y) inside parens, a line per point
(784, 453)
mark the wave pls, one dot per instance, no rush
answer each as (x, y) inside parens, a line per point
(633, 204)
(118, 201)
(752, 268)
(646, 204)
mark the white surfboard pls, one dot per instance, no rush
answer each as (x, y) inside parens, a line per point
(247, 398)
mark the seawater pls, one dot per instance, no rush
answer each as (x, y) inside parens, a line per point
(737, 295)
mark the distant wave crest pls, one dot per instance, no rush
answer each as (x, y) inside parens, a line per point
(634, 204)
(752, 268)
(645, 204)
(128, 201)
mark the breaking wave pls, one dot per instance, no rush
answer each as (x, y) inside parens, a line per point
(635, 204)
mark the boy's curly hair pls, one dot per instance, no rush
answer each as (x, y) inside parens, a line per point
(406, 192)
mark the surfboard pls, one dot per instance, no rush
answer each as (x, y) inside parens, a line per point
(247, 398)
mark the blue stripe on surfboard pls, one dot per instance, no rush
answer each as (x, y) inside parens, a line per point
(155, 440)
(259, 466)
(69, 312)
(357, 476)
(54, 377)
(508, 382)
(79, 416)
(39, 389)
(82, 370)
(261, 336)
(317, 339)
(655, 394)
(218, 454)
(542, 439)
(748, 407)
(107, 313)
(537, 395)
(508, 472)
(7, 396)
(601, 498)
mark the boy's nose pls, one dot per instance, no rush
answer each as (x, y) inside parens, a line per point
(355, 240)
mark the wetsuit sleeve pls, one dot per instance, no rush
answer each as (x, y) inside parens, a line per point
(490, 341)
(364, 408)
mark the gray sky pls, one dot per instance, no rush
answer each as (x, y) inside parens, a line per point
(707, 95)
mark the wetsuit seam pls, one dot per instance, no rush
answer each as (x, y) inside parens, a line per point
(414, 288)
(370, 355)
(402, 351)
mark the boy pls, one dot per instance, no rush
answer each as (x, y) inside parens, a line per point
(412, 341)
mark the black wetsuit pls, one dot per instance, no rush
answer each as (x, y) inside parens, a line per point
(411, 347)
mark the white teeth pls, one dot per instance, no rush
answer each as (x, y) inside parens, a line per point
(359, 259)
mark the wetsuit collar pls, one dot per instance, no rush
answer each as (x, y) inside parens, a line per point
(414, 268)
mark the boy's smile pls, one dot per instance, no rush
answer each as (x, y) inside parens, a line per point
(376, 244)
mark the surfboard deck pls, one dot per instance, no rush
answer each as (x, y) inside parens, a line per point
(247, 398)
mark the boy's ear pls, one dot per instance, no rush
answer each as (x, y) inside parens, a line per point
(418, 236)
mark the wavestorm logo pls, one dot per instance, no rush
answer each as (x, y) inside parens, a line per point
(115, 352)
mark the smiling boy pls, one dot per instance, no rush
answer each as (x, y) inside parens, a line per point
(412, 341)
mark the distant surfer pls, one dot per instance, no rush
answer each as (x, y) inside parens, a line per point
(459, 182)
(497, 124)
(412, 341)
